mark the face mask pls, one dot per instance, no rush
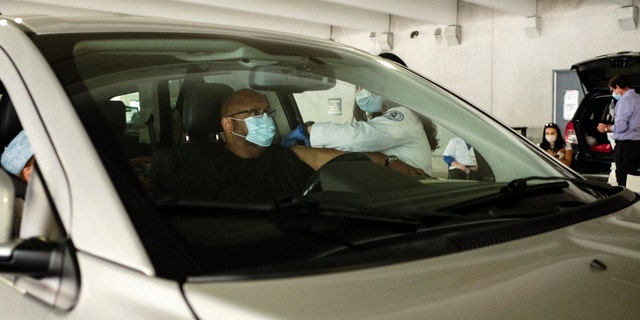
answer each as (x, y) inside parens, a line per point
(616, 96)
(368, 102)
(550, 137)
(261, 129)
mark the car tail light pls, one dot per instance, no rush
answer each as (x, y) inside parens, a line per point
(570, 133)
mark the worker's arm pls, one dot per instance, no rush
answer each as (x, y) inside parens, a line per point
(317, 157)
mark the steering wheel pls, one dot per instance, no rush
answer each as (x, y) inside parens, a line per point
(314, 181)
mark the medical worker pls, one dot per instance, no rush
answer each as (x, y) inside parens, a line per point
(397, 132)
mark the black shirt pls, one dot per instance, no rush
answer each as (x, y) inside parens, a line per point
(210, 172)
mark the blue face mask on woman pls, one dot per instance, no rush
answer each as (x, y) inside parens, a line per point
(261, 129)
(368, 102)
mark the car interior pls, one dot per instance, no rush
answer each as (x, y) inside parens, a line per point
(598, 110)
(156, 142)
(155, 115)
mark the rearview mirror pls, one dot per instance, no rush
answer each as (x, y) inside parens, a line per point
(288, 79)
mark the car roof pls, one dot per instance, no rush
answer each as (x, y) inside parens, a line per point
(596, 72)
(44, 24)
(47, 25)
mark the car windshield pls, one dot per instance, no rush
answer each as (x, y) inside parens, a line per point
(157, 107)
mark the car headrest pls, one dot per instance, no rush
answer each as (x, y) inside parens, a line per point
(9, 123)
(114, 114)
(201, 109)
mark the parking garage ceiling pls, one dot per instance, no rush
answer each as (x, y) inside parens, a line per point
(311, 17)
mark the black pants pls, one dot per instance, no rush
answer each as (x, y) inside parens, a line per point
(459, 174)
(627, 158)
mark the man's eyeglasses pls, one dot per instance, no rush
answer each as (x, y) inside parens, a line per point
(254, 112)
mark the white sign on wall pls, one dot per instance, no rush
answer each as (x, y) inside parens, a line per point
(570, 103)
(335, 106)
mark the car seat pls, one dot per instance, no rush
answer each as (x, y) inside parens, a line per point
(201, 119)
(201, 111)
(114, 115)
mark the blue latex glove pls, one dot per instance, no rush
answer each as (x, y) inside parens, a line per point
(296, 134)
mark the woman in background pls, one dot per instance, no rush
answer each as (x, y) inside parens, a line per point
(554, 144)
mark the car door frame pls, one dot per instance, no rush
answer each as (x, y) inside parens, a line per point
(104, 230)
(66, 158)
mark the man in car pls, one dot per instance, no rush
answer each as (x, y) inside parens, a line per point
(248, 167)
(626, 128)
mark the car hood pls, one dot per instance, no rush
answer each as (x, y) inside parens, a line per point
(595, 73)
(585, 271)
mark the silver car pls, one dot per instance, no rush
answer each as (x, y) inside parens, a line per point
(122, 218)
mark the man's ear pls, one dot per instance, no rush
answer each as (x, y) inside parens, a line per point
(26, 173)
(227, 126)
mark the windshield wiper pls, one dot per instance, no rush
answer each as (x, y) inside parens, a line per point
(356, 213)
(517, 186)
(517, 189)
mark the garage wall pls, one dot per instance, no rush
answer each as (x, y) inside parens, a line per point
(497, 66)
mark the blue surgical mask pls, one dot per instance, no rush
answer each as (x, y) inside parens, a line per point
(616, 96)
(261, 130)
(368, 102)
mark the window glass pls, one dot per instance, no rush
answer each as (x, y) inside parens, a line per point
(302, 83)
(276, 204)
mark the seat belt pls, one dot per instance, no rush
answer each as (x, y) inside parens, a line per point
(152, 134)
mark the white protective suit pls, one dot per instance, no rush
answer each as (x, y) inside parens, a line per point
(397, 132)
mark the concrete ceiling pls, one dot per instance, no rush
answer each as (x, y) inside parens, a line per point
(310, 17)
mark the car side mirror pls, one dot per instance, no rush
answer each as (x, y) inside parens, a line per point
(32, 257)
